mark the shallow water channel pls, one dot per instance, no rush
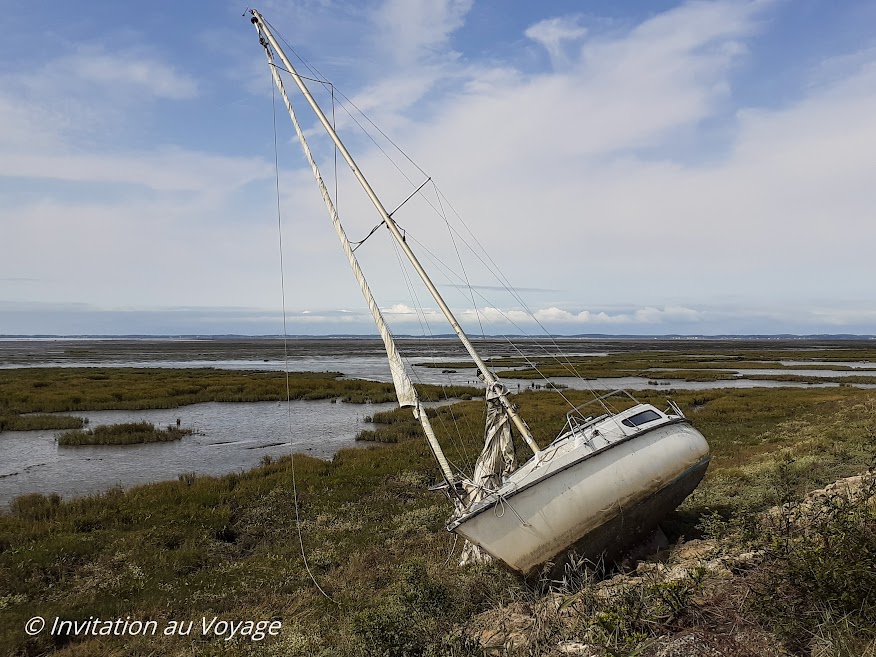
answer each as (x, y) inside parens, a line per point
(236, 436)
(228, 437)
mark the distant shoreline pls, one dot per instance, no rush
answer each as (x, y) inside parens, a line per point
(446, 336)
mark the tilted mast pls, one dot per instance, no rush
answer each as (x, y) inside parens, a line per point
(489, 377)
(404, 387)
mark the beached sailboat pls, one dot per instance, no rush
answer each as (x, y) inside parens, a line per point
(604, 482)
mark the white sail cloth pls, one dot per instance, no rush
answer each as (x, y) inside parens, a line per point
(497, 460)
(404, 387)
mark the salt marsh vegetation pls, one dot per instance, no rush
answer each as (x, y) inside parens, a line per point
(126, 433)
(373, 534)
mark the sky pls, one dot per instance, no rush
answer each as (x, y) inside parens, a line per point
(638, 167)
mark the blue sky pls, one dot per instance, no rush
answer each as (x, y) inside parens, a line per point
(632, 167)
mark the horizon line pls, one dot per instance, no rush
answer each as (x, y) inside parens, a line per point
(445, 336)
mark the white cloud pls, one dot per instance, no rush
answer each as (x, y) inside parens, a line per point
(127, 71)
(416, 30)
(89, 90)
(401, 313)
(590, 181)
(553, 33)
(165, 170)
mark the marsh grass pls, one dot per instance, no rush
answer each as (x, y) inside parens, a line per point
(822, 571)
(227, 545)
(127, 433)
(374, 535)
(54, 390)
(702, 364)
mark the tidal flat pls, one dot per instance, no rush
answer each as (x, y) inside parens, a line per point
(372, 532)
(237, 416)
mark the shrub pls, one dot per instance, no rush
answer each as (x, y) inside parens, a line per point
(822, 573)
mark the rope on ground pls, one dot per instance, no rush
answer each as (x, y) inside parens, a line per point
(286, 350)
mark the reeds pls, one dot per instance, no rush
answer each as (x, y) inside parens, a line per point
(126, 433)
(54, 390)
(40, 422)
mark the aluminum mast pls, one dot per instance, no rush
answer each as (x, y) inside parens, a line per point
(489, 378)
(405, 391)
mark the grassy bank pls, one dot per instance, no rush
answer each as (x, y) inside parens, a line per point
(126, 433)
(373, 535)
(707, 362)
(66, 390)
(39, 422)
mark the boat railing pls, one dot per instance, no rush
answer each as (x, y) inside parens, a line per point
(674, 409)
(579, 411)
(580, 417)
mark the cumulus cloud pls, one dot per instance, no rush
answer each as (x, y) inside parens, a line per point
(553, 33)
(553, 315)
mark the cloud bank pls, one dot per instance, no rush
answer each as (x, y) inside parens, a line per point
(614, 169)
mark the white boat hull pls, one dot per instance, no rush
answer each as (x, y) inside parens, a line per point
(602, 482)
(599, 502)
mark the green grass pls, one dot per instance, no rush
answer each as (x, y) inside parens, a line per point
(707, 361)
(54, 390)
(127, 433)
(40, 422)
(372, 532)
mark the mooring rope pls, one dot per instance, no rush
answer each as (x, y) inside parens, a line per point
(286, 352)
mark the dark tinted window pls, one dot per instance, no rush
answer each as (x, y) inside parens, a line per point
(641, 418)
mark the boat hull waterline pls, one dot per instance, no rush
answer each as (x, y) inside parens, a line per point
(596, 504)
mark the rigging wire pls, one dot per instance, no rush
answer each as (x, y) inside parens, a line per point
(418, 310)
(418, 305)
(286, 353)
(461, 264)
(492, 266)
(312, 68)
(356, 245)
(325, 82)
(506, 284)
(495, 268)
(424, 328)
(561, 358)
(334, 126)
(558, 356)
(445, 269)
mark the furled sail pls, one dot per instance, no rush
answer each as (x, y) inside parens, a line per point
(404, 387)
(496, 461)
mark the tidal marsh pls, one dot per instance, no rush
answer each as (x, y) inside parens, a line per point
(127, 433)
(374, 538)
(372, 531)
(67, 390)
(705, 361)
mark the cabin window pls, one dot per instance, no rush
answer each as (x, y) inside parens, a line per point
(641, 418)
